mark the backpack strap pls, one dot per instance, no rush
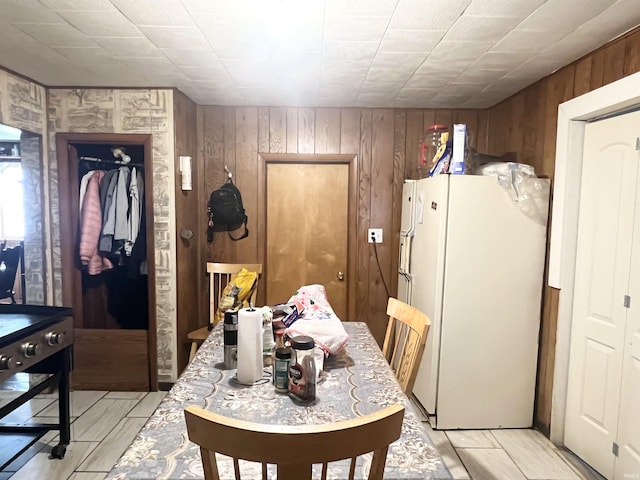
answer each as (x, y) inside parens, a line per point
(244, 235)
(210, 226)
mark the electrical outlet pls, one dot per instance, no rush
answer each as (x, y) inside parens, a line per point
(374, 235)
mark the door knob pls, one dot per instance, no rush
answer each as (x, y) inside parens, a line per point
(186, 233)
(341, 276)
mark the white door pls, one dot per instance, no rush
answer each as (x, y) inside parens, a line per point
(609, 179)
(628, 462)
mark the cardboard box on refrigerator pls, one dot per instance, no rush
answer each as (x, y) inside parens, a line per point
(459, 153)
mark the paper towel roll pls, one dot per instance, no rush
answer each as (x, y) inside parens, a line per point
(249, 345)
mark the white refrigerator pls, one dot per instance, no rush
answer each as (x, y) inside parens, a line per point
(472, 259)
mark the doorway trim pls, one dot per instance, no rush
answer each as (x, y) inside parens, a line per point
(63, 140)
(348, 159)
(572, 118)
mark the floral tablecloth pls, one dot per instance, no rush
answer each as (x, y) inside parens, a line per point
(356, 382)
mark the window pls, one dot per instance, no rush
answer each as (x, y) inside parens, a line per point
(11, 201)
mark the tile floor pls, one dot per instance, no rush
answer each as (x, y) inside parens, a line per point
(104, 424)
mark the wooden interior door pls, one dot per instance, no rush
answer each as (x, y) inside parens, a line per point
(307, 225)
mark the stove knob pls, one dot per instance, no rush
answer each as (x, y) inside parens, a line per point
(54, 338)
(7, 362)
(31, 349)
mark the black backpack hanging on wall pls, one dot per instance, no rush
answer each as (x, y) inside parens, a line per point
(226, 212)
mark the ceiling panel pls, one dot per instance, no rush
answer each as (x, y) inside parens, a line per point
(392, 53)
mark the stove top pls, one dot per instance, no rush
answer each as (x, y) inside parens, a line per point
(18, 321)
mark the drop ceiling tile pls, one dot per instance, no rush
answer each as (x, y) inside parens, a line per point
(621, 16)
(86, 55)
(350, 66)
(526, 42)
(287, 18)
(503, 8)
(296, 62)
(530, 70)
(151, 12)
(219, 7)
(92, 23)
(176, 37)
(447, 100)
(129, 46)
(348, 50)
(33, 57)
(372, 87)
(419, 41)
(389, 76)
(203, 97)
(398, 60)
(371, 50)
(12, 38)
(192, 59)
(165, 79)
(480, 76)
(232, 36)
(434, 81)
(447, 52)
(481, 29)
(462, 88)
(504, 86)
(374, 100)
(451, 69)
(562, 16)
(28, 11)
(116, 75)
(159, 65)
(57, 35)
(349, 97)
(499, 61)
(75, 5)
(417, 93)
(337, 83)
(421, 15)
(355, 28)
(360, 7)
(246, 73)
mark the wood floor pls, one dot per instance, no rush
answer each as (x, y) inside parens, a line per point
(105, 423)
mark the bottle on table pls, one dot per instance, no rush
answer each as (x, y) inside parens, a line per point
(302, 370)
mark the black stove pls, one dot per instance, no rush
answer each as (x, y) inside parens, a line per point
(35, 339)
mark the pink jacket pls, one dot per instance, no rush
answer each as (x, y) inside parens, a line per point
(91, 226)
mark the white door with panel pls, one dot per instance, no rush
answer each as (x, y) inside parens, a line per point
(601, 367)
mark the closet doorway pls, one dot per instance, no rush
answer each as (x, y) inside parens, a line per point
(109, 285)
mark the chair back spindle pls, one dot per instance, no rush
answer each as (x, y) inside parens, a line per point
(404, 341)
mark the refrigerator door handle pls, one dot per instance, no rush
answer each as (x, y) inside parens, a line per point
(404, 262)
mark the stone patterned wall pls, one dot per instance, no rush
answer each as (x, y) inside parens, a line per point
(23, 105)
(30, 153)
(127, 111)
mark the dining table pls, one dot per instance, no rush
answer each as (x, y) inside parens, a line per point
(355, 382)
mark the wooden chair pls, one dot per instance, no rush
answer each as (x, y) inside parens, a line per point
(219, 275)
(294, 449)
(404, 341)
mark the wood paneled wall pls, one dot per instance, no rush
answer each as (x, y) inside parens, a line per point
(188, 251)
(526, 123)
(386, 142)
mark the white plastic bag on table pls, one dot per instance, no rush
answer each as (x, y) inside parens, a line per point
(318, 320)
